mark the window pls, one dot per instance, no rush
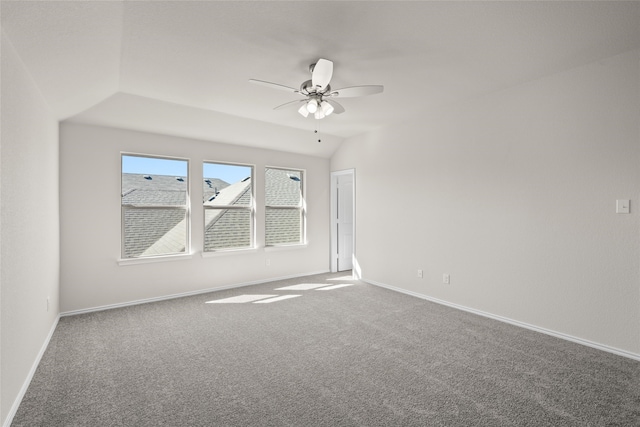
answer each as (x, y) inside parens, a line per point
(228, 206)
(284, 200)
(155, 206)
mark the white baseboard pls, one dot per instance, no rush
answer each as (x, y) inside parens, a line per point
(184, 294)
(32, 371)
(571, 338)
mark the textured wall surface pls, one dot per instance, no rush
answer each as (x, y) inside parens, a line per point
(30, 232)
(513, 195)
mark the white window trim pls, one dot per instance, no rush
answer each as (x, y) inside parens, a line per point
(251, 208)
(227, 252)
(152, 259)
(187, 207)
(303, 210)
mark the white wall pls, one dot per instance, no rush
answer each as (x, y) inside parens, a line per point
(513, 195)
(90, 220)
(30, 226)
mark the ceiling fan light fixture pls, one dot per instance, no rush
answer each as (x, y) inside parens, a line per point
(312, 106)
(327, 108)
(319, 114)
(303, 110)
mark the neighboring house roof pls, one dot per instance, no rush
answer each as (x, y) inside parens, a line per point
(210, 186)
(145, 227)
(231, 195)
(171, 242)
(283, 189)
(233, 221)
(150, 232)
(282, 226)
(134, 181)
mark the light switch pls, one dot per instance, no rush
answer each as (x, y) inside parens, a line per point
(622, 206)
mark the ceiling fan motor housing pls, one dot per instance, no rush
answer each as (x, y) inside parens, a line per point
(307, 88)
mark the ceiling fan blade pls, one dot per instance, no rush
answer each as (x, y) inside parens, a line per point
(355, 91)
(337, 108)
(321, 74)
(290, 104)
(274, 85)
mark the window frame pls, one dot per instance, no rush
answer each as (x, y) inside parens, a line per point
(302, 208)
(186, 208)
(251, 208)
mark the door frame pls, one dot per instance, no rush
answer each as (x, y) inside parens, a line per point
(334, 214)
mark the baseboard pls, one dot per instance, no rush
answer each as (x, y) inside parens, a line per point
(556, 334)
(32, 371)
(184, 294)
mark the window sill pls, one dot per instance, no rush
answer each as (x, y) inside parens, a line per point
(213, 254)
(149, 260)
(285, 247)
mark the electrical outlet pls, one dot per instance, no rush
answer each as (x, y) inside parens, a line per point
(268, 262)
(446, 279)
(622, 206)
(420, 275)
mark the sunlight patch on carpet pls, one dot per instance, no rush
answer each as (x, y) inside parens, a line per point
(328, 288)
(301, 287)
(240, 299)
(280, 298)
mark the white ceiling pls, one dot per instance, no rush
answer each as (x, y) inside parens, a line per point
(182, 67)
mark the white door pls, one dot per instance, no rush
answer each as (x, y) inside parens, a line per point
(344, 221)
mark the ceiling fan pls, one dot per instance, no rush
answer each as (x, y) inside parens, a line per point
(318, 94)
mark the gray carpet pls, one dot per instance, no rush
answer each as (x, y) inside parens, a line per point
(351, 356)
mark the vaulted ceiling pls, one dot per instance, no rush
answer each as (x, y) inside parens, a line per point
(182, 68)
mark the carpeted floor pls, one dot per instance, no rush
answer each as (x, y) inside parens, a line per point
(354, 355)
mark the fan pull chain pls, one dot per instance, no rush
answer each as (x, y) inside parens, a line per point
(317, 131)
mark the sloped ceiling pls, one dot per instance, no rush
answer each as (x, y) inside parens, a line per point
(182, 68)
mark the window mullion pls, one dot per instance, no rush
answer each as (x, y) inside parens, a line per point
(183, 207)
